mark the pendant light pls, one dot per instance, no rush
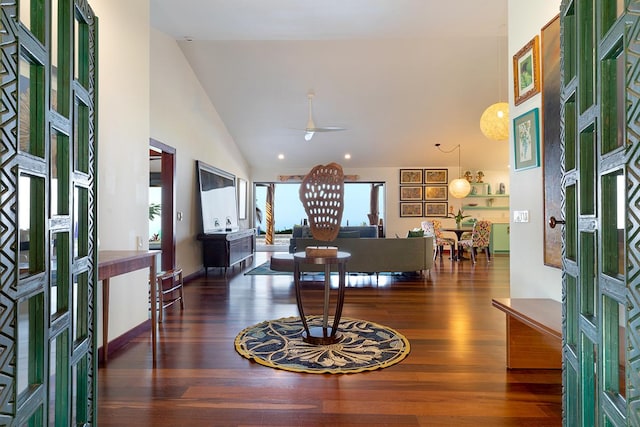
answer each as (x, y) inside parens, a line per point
(459, 187)
(494, 122)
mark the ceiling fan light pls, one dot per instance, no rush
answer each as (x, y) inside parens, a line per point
(459, 188)
(308, 135)
(494, 122)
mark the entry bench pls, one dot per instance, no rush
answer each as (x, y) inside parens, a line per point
(534, 332)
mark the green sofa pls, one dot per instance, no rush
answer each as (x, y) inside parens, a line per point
(373, 255)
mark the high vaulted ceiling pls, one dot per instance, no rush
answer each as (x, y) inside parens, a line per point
(400, 75)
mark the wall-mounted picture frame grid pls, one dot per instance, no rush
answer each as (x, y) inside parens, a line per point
(411, 209)
(411, 193)
(436, 176)
(436, 209)
(411, 176)
(436, 192)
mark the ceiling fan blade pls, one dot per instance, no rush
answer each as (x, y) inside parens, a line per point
(325, 129)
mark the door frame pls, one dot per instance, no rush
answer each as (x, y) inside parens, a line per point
(168, 210)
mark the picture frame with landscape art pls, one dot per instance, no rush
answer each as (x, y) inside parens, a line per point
(436, 209)
(436, 192)
(526, 71)
(526, 140)
(411, 176)
(411, 193)
(412, 209)
(436, 176)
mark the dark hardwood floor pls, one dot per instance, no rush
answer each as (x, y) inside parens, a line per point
(455, 374)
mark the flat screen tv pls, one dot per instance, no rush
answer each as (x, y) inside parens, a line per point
(218, 203)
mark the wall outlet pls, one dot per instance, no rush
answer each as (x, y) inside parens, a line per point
(520, 216)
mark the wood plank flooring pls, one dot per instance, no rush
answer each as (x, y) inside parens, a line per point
(454, 376)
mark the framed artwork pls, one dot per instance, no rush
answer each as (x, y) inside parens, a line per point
(411, 176)
(411, 192)
(526, 72)
(436, 192)
(526, 140)
(436, 176)
(242, 199)
(436, 209)
(410, 209)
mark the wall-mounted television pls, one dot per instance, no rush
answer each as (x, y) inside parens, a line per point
(218, 203)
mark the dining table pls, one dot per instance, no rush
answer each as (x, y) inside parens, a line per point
(459, 231)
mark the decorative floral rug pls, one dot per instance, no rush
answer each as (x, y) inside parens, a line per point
(364, 346)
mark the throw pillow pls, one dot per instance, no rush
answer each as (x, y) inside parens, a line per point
(416, 233)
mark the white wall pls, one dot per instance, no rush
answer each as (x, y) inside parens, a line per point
(123, 149)
(529, 276)
(183, 117)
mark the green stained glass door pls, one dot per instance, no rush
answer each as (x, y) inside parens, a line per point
(600, 140)
(48, 354)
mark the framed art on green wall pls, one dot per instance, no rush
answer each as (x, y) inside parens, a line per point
(526, 140)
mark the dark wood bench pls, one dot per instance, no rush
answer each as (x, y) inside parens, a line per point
(534, 332)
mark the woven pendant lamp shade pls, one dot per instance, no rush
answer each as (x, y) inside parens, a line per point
(459, 188)
(494, 122)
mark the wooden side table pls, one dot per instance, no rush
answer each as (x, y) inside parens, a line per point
(323, 335)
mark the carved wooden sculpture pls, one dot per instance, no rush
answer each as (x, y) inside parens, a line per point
(322, 195)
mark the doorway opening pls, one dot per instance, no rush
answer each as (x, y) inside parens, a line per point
(162, 211)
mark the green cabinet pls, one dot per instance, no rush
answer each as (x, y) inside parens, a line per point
(500, 238)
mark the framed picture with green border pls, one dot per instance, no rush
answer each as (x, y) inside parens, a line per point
(526, 140)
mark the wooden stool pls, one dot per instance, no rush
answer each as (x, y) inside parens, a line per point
(169, 282)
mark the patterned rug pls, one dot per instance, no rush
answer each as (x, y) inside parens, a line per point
(364, 346)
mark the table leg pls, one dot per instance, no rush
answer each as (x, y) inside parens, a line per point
(340, 301)
(325, 307)
(154, 306)
(105, 320)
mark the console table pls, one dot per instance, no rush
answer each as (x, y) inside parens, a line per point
(227, 248)
(115, 263)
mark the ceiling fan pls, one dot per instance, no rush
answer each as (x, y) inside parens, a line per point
(311, 128)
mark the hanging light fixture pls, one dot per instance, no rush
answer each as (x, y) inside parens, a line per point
(494, 122)
(459, 187)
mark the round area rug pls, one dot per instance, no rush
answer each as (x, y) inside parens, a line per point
(364, 346)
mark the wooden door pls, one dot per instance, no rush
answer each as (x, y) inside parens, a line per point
(48, 269)
(601, 309)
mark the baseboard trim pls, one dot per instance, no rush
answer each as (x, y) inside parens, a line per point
(124, 339)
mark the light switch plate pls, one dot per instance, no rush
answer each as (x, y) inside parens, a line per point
(520, 216)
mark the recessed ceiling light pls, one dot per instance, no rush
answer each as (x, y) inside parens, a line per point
(347, 156)
(188, 38)
(281, 156)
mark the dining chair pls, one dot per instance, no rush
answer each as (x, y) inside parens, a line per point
(429, 230)
(480, 239)
(441, 240)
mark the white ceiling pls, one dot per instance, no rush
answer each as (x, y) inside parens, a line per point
(400, 75)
